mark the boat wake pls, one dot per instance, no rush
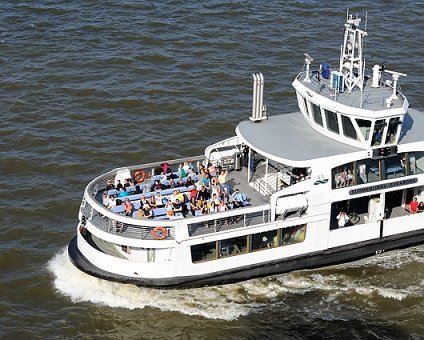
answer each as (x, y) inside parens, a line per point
(341, 284)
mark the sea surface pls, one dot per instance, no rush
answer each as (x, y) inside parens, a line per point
(87, 86)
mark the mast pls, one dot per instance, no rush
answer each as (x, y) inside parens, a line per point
(351, 60)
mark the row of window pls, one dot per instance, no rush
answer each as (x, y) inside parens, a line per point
(248, 243)
(384, 131)
(373, 170)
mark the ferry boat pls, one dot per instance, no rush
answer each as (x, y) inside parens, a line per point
(337, 181)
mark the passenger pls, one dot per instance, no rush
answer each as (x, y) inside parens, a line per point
(128, 207)
(192, 173)
(211, 170)
(180, 183)
(172, 184)
(183, 169)
(119, 185)
(202, 206)
(138, 189)
(225, 196)
(109, 185)
(105, 199)
(123, 192)
(141, 215)
(156, 186)
(131, 182)
(159, 200)
(413, 206)
(193, 205)
(152, 202)
(111, 203)
(203, 174)
(189, 182)
(180, 196)
(236, 194)
(147, 211)
(193, 192)
(420, 207)
(212, 208)
(215, 199)
(222, 178)
(143, 201)
(127, 183)
(165, 167)
(215, 188)
(203, 194)
(222, 206)
(163, 178)
(342, 219)
(169, 208)
(237, 203)
(178, 208)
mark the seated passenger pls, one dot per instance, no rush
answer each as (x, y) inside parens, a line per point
(172, 184)
(193, 205)
(163, 178)
(169, 208)
(203, 194)
(109, 185)
(420, 207)
(119, 185)
(143, 201)
(159, 200)
(180, 183)
(189, 182)
(212, 208)
(147, 211)
(127, 183)
(152, 202)
(111, 203)
(105, 199)
(237, 203)
(174, 196)
(177, 207)
(141, 215)
(236, 194)
(123, 192)
(128, 207)
(215, 199)
(156, 186)
(211, 170)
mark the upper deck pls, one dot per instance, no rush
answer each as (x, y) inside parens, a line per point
(370, 98)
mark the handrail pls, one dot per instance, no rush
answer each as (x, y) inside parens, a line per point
(232, 141)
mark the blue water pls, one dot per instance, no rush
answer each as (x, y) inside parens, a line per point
(89, 86)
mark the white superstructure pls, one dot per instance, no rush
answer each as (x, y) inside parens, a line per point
(335, 182)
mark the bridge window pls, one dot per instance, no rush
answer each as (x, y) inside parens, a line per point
(348, 128)
(392, 130)
(377, 135)
(332, 121)
(316, 113)
(364, 127)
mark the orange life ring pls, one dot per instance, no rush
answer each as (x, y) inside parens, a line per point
(139, 176)
(159, 233)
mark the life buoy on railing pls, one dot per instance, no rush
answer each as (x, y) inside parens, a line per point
(159, 233)
(139, 176)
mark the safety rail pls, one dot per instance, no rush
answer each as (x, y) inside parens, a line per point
(232, 141)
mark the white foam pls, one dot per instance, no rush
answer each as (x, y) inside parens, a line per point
(210, 302)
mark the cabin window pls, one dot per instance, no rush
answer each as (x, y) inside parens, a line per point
(393, 167)
(233, 246)
(203, 252)
(364, 127)
(348, 128)
(377, 135)
(294, 234)
(268, 239)
(392, 130)
(368, 171)
(343, 176)
(316, 113)
(332, 121)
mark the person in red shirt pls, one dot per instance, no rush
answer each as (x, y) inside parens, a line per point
(413, 206)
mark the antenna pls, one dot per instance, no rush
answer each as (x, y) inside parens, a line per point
(308, 60)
